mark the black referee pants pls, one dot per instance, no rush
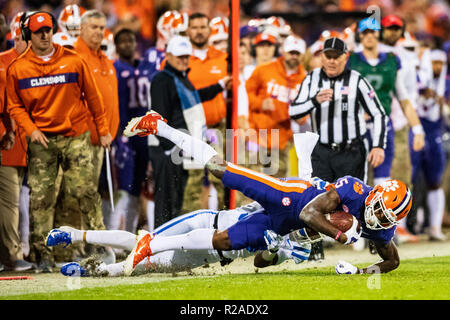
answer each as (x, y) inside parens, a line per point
(330, 165)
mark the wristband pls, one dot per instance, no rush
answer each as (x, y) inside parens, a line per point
(338, 235)
(417, 129)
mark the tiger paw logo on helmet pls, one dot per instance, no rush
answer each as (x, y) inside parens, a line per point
(390, 185)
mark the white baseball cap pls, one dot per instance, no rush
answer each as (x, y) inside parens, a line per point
(293, 43)
(438, 55)
(179, 46)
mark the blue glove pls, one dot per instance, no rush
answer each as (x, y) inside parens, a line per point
(298, 252)
(319, 183)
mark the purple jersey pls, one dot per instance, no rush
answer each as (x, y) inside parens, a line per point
(134, 91)
(151, 62)
(284, 200)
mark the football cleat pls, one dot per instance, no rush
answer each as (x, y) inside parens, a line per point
(73, 269)
(144, 125)
(140, 251)
(58, 236)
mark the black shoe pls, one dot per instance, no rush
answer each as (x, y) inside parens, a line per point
(316, 252)
(44, 266)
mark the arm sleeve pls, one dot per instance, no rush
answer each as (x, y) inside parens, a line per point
(160, 92)
(303, 103)
(209, 93)
(93, 98)
(372, 106)
(400, 89)
(15, 107)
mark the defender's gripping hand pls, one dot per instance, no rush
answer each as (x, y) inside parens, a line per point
(273, 240)
(343, 267)
(353, 234)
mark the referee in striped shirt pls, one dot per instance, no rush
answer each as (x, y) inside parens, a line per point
(337, 99)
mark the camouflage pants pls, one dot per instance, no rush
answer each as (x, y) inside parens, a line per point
(78, 192)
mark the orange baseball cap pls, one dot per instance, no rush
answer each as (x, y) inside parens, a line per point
(264, 37)
(40, 20)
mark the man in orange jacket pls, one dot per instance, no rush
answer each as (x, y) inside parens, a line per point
(48, 89)
(207, 66)
(271, 88)
(93, 24)
(13, 165)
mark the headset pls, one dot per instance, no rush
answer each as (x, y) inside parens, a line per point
(25, 30)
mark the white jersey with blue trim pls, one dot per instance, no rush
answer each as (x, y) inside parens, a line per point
(201, 219)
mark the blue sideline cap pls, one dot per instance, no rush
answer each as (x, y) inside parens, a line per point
(369, 23)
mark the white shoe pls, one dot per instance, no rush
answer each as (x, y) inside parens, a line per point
(140, 251)
(437, 236)
(149, 126)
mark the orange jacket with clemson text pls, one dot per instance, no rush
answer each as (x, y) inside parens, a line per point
(206, 73)
(105, 77)
(51, 95)
(17, 155)
(270, 80)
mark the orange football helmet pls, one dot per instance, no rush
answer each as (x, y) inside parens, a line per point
(387, 204)
(70, 19)
(15, 25)
(164, 26)
(180, 23)
(219, 30)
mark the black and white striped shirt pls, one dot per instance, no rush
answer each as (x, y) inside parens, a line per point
(342, 119)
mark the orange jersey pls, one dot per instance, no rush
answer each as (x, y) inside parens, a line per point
(208, 72)
(270, 80)
(51, 95)
(17, 155)
(105, 77)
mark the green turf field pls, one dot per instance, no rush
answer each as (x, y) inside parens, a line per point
(426, 278)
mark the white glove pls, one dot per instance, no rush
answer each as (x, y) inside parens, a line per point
(299, 252)
(273, 240)
(352, 234)
(343, 267)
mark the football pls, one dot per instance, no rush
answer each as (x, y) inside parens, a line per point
(340, 219)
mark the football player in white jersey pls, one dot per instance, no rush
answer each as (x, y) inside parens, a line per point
(175, 260)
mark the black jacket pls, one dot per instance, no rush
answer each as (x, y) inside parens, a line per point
(165, 100)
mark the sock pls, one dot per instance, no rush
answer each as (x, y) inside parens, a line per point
(193, 147)
(114, 270)
(283, 255)
(120, 210)
(196, 239)
(115, 238)
(436, 204)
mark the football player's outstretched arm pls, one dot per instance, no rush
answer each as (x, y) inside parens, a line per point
(389, 254)
(313, 214)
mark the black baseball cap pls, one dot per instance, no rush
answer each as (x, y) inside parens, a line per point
(335, 44)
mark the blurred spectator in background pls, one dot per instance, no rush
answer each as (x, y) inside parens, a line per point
(137, 15)
(219, 34)
(13, 165)
(131, 154)
(174, 97)
(207, 66)
(88, 47)
(271, 88)
(69, 22)
(431, 160)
